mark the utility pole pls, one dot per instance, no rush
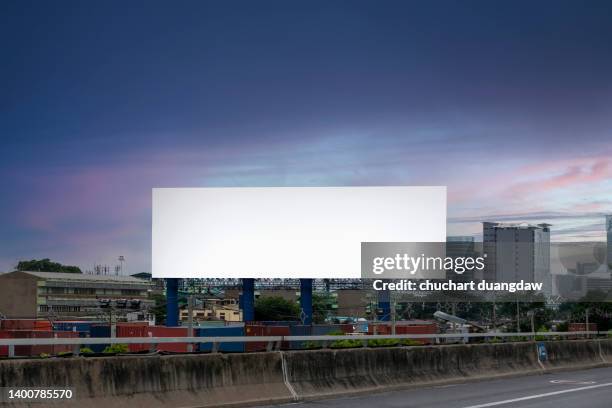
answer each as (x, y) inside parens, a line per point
(518, 317)
(113, 325)
(393, 320)
(190, 322)
(587, 321)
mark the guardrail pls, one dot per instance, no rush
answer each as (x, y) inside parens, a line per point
(274, 342)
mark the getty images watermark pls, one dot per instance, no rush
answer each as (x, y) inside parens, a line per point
(563, 271)
(415, 260)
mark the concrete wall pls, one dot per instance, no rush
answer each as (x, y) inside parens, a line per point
(18, 293)
(156, 381)
(249, 379)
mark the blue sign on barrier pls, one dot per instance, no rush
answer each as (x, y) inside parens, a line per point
(542, 353)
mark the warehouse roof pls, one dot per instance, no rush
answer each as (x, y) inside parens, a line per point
(84, 276)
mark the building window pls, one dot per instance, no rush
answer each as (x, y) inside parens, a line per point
(84, 291)
(54, 290)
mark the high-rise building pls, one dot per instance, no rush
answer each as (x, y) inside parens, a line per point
(461, 246)
(516, 252)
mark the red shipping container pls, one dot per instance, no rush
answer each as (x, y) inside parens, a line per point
(26, 324)
(572, 327)
(253, 330)
(420, 328)
(4, 334)
(346, 328)
(134, 330)
(161, 331)
(32, 350)
(67, 348)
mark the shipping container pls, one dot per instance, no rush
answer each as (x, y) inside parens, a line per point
(325, 329)
(61, 348)
(25, 324)
(419, 327)
(572, 327)
(228, 331)
(97, 331)
(4, 334)
(162, 331)
(274, 323)
(37, 350)
(261, 330)
(73, 326)
(138, 329)
(299, 330)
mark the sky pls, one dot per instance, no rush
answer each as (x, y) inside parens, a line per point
(508, 103)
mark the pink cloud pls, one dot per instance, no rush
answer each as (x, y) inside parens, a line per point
(576, 175)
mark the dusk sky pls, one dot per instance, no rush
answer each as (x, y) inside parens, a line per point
(509, 104)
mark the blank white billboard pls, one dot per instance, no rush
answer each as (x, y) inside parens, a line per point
(286, 232)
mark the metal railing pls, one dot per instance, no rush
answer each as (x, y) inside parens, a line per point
(275, 342)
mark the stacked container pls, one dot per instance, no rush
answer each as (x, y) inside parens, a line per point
(97, 331)
(228, 331)
(134, 330)
(25, 324)
(162, 331)
(260, 330)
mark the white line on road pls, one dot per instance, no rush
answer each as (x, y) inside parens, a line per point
(529, 397)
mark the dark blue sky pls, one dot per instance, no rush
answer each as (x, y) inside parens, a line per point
(507, 103)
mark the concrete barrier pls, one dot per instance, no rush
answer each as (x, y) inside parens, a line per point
(155, 381)
(576, 354)
(249, 379)
(317, 374)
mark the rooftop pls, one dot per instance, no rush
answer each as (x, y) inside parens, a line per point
(84, 277)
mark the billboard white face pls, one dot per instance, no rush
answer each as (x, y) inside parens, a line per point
(286, 232)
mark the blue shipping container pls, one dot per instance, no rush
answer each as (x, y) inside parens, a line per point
(325, 329)
(72, 326)
(99, 330)
(229, 331)
(301, 330)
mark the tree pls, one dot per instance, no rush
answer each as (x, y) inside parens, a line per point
(46, 265)
(159, 310)
(321, 307)
(276, 308)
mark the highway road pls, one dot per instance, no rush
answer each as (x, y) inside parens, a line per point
(569, 389)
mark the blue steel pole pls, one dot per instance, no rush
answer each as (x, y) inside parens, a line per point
(306, 300)
(172, 309)
(248, 299)
(384, 304)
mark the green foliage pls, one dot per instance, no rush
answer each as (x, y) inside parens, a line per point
(410, 342)
(276, 308)
(46, 265)
(159, 310)
(116, 348)
(346, 344)
(383, 342)
(542, 329)
(599, 311)
(86, 350)
(44, 355)
(321, 307)
(310, 345)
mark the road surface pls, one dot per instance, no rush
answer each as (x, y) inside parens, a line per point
(569, 389)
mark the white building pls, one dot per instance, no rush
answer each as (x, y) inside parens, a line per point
(518, 252)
